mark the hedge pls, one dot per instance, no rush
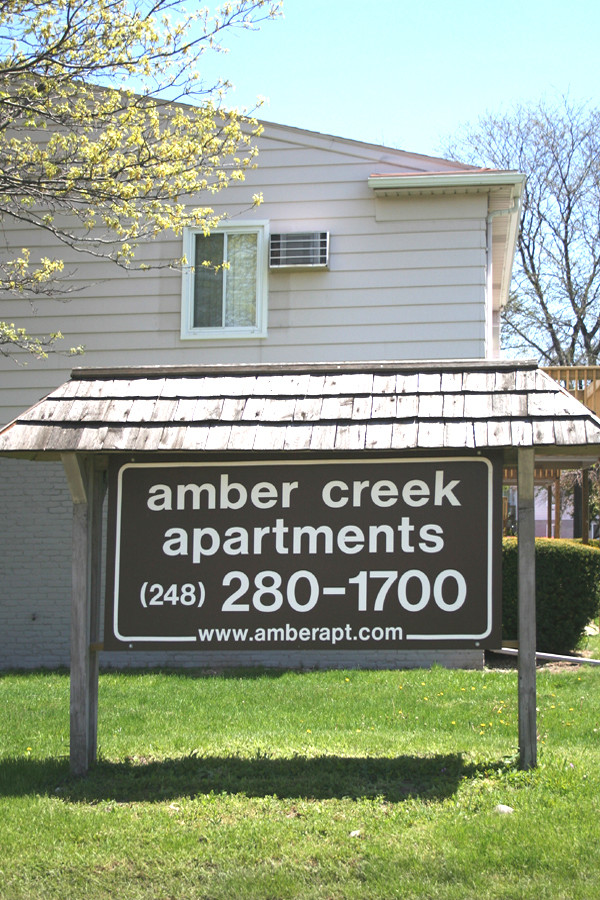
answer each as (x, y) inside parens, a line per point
(567, 584)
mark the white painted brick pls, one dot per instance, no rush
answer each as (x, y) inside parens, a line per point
(35, 551)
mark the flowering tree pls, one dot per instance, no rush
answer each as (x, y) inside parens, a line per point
(107, 127)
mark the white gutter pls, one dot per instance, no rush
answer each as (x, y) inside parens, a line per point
(515, 209)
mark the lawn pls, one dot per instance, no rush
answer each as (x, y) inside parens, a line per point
(341, 784)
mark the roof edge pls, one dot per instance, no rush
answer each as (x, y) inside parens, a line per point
(478, 178)
(328, 136)
(439, 365)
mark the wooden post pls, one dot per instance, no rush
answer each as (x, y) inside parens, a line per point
(80, 614)
(557, 510)
(98, 490)
(527, 640)
(585, 506)
(86, 485)
(549, 511)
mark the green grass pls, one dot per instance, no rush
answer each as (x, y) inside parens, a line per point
(302, 785)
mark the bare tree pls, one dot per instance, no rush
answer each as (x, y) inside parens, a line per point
(554, 307)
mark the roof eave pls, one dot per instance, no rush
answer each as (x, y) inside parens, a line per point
(434, 182)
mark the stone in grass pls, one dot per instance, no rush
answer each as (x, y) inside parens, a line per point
(503, 810)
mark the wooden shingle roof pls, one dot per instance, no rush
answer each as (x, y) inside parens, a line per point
(446, 405)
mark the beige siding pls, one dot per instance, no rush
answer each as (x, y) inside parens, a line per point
(406, 277)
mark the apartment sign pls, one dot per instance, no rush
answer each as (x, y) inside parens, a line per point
(327, 554)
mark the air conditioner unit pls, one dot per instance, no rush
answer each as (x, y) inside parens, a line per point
(299, 250)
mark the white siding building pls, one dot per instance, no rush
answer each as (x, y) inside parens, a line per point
(416, 266)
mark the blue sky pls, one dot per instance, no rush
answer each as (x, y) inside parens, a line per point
(409, 74)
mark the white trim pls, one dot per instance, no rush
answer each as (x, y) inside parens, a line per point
(188, 332)
(431, 182)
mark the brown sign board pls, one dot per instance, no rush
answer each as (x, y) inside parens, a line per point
(337, 553)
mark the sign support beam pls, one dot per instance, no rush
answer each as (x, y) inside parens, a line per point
(87, 485)
(98, 491)
(527, 625)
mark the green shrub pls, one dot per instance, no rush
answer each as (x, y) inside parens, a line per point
(567, 583)
(593, 542)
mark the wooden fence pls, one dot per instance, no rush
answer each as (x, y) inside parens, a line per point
(581, 381)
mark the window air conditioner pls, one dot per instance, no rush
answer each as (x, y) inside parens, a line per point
(302, 249)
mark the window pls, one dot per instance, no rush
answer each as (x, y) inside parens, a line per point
(225, 285)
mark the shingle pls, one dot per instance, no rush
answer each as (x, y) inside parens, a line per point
(346, 406)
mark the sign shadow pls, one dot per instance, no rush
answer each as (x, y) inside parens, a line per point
(391, 779)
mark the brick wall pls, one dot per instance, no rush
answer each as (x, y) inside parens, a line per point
(35, 560)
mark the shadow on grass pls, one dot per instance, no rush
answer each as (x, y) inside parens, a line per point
(393, 779)
(239, 673)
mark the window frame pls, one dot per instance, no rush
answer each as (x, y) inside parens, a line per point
(223, 332)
